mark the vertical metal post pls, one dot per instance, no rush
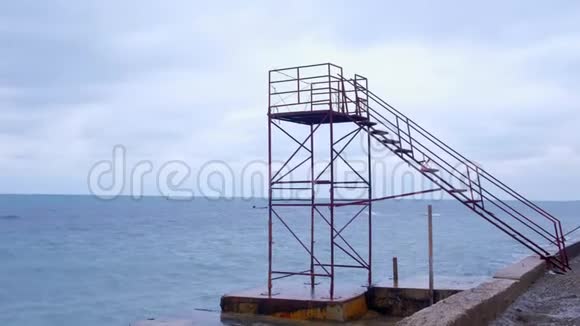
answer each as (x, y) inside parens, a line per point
(329, 90)
(430, 230)
(480, 188)
(399, 131)
(370, 190)
(311, 97)
(343, 102)
(312, 185)
(270, 240)
(331, 192)
(369, 183)
(356, 100)
(470, 185)
(298, 83)
(410, 138)
(395, 273)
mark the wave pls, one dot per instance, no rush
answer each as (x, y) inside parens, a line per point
(385, 214)
(9, 217)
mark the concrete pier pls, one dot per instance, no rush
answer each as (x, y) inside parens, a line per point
(298, 304)
(301, 304)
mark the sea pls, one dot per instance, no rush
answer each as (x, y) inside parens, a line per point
(80, 260)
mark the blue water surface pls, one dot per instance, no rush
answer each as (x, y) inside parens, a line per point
(78, 260)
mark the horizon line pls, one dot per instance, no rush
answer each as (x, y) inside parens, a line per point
(231, 197)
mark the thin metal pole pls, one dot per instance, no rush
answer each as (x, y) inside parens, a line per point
(430, 227)
(312, 277)
(331, 193)
(480, 188)
(470, 186)
(410, 139)
(298, 83)
(270, 236)
(395, 273)
(370, 190)
(399, 132)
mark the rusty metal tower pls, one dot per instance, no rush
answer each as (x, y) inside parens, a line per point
(315, 98)
(320, 111)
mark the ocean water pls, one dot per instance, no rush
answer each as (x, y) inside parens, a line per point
(78, 260)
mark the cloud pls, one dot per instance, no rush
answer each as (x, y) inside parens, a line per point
(188, 80)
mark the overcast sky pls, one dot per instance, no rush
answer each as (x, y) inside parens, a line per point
(187, 80)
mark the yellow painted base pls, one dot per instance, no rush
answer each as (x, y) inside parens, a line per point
(335, 311)
(297, 307)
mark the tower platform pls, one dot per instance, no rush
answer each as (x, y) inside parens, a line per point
(317, 117)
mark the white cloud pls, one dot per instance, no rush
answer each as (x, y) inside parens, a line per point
(188, 81)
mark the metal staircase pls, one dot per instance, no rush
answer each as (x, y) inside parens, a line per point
(458, 176)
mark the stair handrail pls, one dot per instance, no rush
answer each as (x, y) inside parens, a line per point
(451, 151)
(462, 159)
(500, 224)
(423, 147)
(474, 166)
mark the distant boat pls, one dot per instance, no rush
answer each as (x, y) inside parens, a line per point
(259, 207)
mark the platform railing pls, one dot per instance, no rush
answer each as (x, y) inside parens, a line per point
(313, 87)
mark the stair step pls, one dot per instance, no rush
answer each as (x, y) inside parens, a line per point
(429, 170)
(472, 201)
(403, 150)
(367, 123)
(455, 191)
(379, 132)
(390, 141)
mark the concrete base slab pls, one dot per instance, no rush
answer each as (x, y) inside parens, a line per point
(298, 303)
